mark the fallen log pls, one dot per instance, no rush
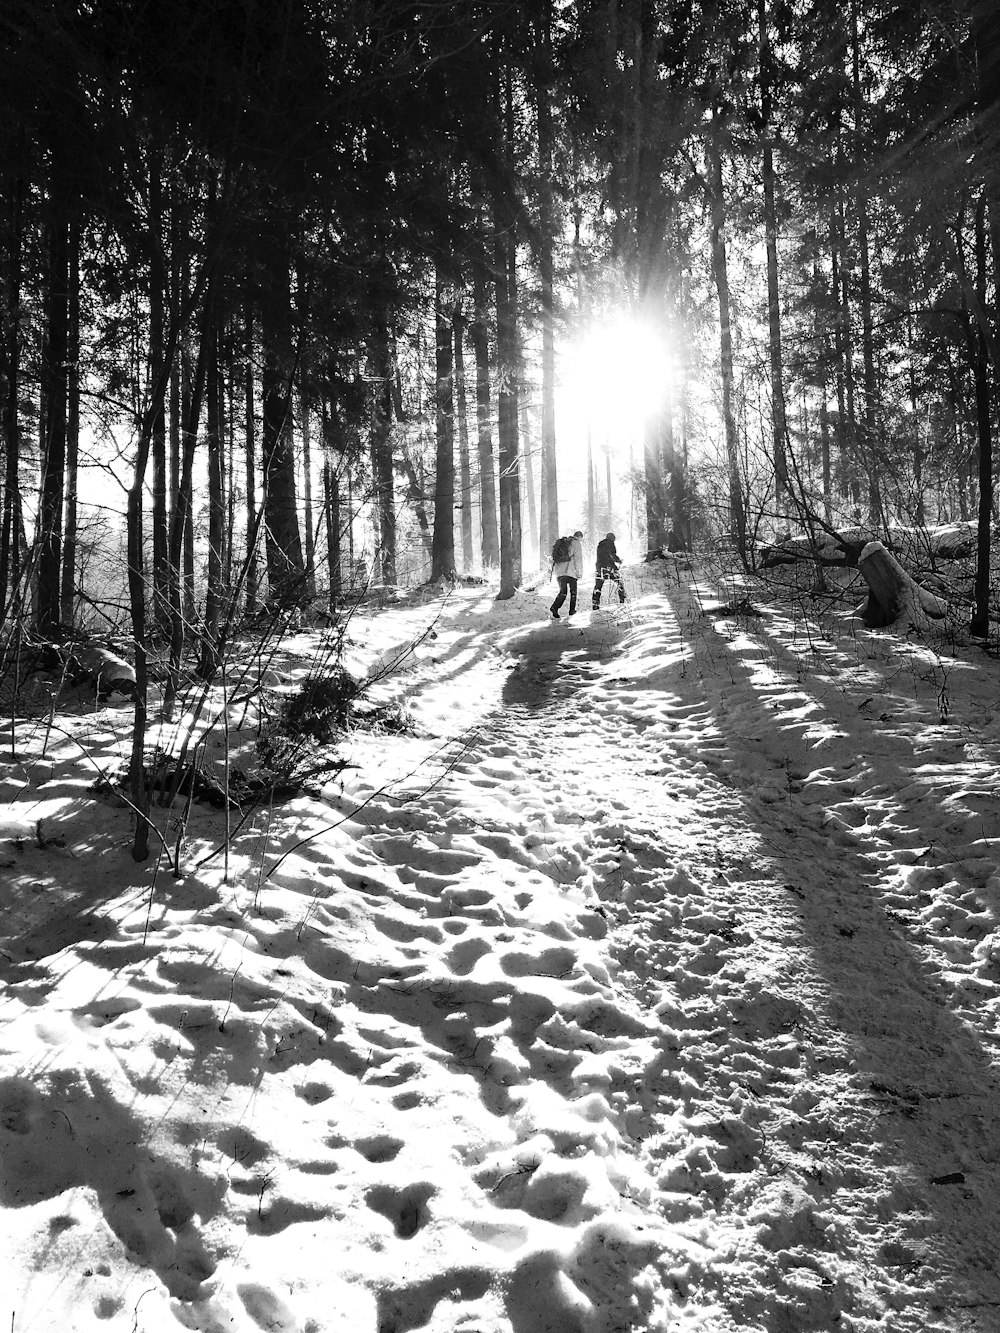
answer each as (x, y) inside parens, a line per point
(109, 674)
(88, 663)
(893, 594)
(944, 541)
(841, 548)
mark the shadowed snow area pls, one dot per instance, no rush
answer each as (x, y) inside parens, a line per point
(651, 983)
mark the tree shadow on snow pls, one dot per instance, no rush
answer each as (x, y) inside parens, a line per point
(921, 1072)
(552, 660)
(69, 1133)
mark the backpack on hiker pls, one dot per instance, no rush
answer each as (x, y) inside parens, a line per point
(561, 549)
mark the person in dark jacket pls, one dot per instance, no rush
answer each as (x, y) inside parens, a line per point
(608, 563)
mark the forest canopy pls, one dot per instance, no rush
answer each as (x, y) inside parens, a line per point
(299, 297)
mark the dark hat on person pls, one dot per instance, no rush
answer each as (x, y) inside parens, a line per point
(578, 533)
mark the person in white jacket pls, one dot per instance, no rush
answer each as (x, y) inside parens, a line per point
(568, 573)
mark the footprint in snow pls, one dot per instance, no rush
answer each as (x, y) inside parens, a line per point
(405, 1208)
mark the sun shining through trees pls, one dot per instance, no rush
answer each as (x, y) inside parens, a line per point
(616, 375)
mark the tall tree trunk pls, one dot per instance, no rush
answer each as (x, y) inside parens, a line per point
(919, 513)
(69, 561)
(192, 395)
(231, 387)
(215, 438)
(285, 565)
(137, 785)
(653, 487)
(872, 443)
(844, 342)
(505, 263)
(443, 540)
(332, 454)
(464, 461)
(824, 436)
(673, 473)
(549, 526)
(778, 417)
(175, 389)
(680, 512)
(980, 360)
(181, 518)
(56, 383)
(721, 272)
(510, 479)
(417, 497)
(528, 454)
(307, 493)
(331, 493)
(252, 554)
(305, 426)
(10, 553)
(157, 298)
(383, 477)
(479, 337)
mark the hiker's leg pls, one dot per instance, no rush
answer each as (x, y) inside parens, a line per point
(597, 588)
(621, 586)
(572, 593)
(561, 597)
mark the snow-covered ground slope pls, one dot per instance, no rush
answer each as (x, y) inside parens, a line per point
(652, 983)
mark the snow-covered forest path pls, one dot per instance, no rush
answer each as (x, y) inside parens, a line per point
(781, 1040)
(653, 983)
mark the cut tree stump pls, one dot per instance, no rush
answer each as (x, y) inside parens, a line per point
(893, 594)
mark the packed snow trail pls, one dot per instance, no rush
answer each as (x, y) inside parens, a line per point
(816, 1162)
(815, 1096)
(639, 991)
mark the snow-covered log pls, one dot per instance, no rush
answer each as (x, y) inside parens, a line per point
(840, 548)
(91, 663)
(945, 541)
(109, 673)
(893, 594)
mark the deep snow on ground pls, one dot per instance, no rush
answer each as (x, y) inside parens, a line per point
(651, 983)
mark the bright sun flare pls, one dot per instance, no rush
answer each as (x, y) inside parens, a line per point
(618, 374)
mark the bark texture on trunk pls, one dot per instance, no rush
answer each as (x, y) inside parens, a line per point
(479, 337)
(10, 552)
(443, 539)
(67, 611)
(871, 441)
(980, 359)
(510, 478)
(548, 529)
(211, 647)
(464, 460)
(383, 479)
(50, 526)
(721, 270)
(778, 418)
(157, 301)
(285, 565)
